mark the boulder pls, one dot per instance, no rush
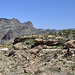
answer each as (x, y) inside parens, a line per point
(38, 41)
(51, 36)
(44, 46)
(52, 42)
(45, 42)
(59, 37)
(11, 53)
(20, 46)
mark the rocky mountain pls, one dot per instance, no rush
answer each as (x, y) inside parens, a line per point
(10, 28)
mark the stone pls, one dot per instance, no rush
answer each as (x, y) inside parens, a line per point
(11, 53)
(20, 46)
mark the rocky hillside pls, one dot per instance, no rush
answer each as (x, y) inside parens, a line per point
(13, 25)
(17, 28)
(45, 54)
(38, 54)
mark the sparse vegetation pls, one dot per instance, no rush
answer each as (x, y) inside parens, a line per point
(52, 53)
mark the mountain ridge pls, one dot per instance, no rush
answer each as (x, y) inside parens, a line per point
(17, 28)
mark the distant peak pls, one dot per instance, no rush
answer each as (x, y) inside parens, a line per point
(15, 20)
(1, 19)
(4, 20)
(29, 22)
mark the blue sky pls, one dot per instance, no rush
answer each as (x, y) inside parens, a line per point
(46, 14)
